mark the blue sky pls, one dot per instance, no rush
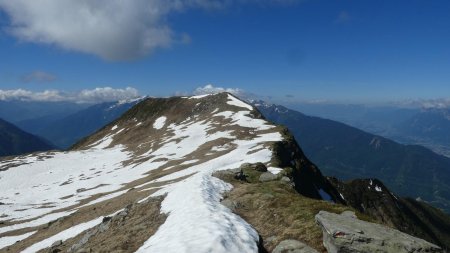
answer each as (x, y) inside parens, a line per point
(355, 51)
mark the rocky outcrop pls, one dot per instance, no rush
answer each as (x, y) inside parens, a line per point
(344, 233)
(416, 218)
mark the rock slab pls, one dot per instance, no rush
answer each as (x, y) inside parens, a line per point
(344, 233)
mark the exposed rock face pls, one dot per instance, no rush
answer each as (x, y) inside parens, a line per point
(343, 233)
(372, 197)
(293, 246)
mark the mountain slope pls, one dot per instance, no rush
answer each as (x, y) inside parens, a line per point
(346, 152)
(159, 156)
(430, 127)
(65, 131)
(427, 127)
(14, 141)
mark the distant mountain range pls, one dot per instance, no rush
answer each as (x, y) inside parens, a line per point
(65, 130)
(429, 127)
(347, 152)
(17, 110)
(14, 141)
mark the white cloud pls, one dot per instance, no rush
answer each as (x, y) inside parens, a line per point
(111, 29)
(210, 89)
(38, 77)
(97, 95)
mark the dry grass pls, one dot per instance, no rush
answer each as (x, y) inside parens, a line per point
(278, 212)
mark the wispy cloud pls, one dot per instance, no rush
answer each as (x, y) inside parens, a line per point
(111, 29)
(38, 77)
(97, 95)
(438, 103)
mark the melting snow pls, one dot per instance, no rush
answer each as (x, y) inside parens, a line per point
(377, 188)
(236, 102)
(159, 122)
(189, 201)
(196, 221)
(274, 170)
(198, 96)
(64, 235)
(6, 241)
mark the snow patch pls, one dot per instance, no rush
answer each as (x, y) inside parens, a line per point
(236, 102)
(64, 235)
(160, 122)
(274, 170)
(199, 96)
(6, 241)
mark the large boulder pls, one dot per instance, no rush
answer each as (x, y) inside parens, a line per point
(345, 233)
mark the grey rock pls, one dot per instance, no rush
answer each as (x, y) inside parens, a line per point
(254, 166)
(123, 213)
(293, 246)
(270, 239)
(344, 233)
(285, 179)
(57, 243)
(260, 167)
(267, 176)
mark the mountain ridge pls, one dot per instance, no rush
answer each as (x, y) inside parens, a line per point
(162, 155)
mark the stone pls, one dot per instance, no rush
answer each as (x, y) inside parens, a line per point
(260, 167)
(293, 246)
(345, 233)
(57, 243)
(285, 179)
(267, 176)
